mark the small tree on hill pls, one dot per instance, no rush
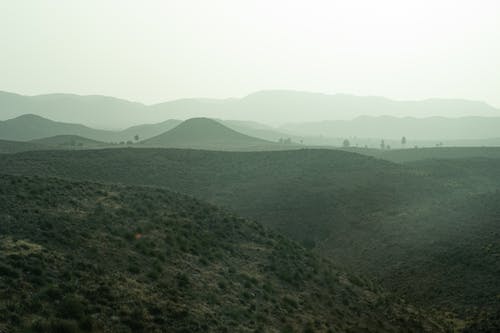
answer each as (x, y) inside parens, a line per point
(346, 143)
(403, 141)
(382, 144)
(136, 137)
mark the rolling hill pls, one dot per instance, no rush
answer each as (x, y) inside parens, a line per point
(204, 133)
(218, 134)
(87, 257)
(29, 127)
(393, 222)
(70, 141)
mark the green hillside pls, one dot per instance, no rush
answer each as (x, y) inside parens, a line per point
(31, 127)
(251, 182)
(204, 133)
(224, 135)
(371, 216)
(102, 258)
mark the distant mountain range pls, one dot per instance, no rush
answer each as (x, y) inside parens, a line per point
(277, 107)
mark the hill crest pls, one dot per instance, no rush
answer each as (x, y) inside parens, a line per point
(203, 132)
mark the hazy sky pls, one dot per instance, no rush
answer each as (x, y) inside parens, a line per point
(153, 51)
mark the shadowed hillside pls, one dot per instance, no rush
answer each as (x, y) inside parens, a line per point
(89, 257)
(352, 208)
(7, 146)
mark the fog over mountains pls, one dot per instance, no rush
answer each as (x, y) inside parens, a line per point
(259, 166)
(439, 128)
(274, 107)
(392, 213)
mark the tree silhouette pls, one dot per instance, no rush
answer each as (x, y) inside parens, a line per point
(346, 143)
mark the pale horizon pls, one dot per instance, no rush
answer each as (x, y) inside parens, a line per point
(250, 166)
(165, 50)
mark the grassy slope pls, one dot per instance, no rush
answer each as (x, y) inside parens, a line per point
(90, 257)
(282, 189)
(395, 222)
(206, 133)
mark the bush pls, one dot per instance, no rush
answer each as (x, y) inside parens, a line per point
(72, 307)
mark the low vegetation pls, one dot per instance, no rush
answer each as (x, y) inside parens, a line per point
(402, 225)
(83, 257)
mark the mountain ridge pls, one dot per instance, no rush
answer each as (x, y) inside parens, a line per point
(270, 106)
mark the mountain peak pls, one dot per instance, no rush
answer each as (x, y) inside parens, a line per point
(203, 132)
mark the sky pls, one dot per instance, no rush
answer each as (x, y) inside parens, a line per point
(158, 50)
